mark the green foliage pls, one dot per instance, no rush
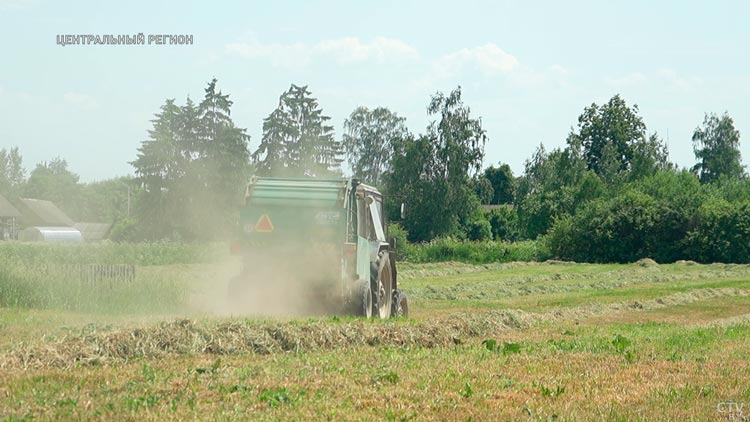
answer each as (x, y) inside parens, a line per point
(448, 249)
(389, 377)
(12, 173)
(467, 391)
(622, 229)
(369, 142)
(397, 232)
(721, 233)
(551, 392)
(490, 344)
(502, 182)
(146, 254)
(478, 229)
(276, 397)
(432, 172)
(613, 141)
(716, 147)
(504, 223)
(60, 286)
(51, 180)
(298, 139)
(510, 348)
(621, 343)
(192, 169)
(554, 184)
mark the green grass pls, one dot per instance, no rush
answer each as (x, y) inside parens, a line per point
(591, 342)
(163, 253)
(447, 249)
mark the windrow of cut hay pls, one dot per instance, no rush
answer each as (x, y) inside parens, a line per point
(246, 336)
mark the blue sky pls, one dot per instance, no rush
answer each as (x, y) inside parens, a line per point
(527, 68)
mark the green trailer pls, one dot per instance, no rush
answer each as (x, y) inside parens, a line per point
(322, 241)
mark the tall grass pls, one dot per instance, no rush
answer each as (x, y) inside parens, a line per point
(447, 249)
(161, 253)
(38, 275)
(29, 285)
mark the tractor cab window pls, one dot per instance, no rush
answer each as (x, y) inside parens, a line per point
(364, 221)
(366, 225)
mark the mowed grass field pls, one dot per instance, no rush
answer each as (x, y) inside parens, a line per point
(519, 341)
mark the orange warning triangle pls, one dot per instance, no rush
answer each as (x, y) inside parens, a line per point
(264, 224)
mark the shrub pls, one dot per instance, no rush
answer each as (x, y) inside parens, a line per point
(504, 223)
(721, 233)
(626, 228)
(448, 249)
(479, 229)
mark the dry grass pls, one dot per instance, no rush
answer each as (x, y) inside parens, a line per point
(634, 342)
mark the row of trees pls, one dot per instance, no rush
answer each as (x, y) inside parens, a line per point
(53, 180)
(190, 174)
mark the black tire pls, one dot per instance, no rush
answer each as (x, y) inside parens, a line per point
(362, 300)
(400, 305)
(381, 284)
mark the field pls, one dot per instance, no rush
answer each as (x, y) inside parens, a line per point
(514, 341)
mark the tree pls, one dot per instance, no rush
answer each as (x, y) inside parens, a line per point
(433, 172)
(221, 166)
(501, 179)
(161, 164)
(613, 141)
(52, 181)
(554, 184)
(12, 173)
(192, 169)
(369, 141)
(716, 147)
(297, 139)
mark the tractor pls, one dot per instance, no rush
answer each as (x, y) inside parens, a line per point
(316, 246)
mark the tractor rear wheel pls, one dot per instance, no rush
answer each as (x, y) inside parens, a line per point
(381, 283)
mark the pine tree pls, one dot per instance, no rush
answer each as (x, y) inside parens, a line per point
(297, 139)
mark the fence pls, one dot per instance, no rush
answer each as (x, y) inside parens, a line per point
(90, 274)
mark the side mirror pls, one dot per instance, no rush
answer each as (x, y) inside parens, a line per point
(403, 211)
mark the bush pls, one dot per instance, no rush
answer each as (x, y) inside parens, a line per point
(626, 228)
(479, 229)
(449, 249)
(722, 232)
(504, 223)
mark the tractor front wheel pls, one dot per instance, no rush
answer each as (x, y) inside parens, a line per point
(362, 301)
(400, 304)
(381, 283)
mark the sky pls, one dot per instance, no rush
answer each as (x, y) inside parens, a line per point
(527, 68)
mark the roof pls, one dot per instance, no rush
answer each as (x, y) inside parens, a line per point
(50, 234)
(38, 212)
(93, 231)
(325, 193)
(6, 209)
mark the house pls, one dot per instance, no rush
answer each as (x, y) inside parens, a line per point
(9, 216)
(41, 213)
(93, 232)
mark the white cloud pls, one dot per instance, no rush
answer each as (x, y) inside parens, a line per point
(631, 79)
(15, 4)
(345, 50)
(283, 55)
(380, 50)
(663, 78)
(78, 99)
(681, 83)
(488, 58)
